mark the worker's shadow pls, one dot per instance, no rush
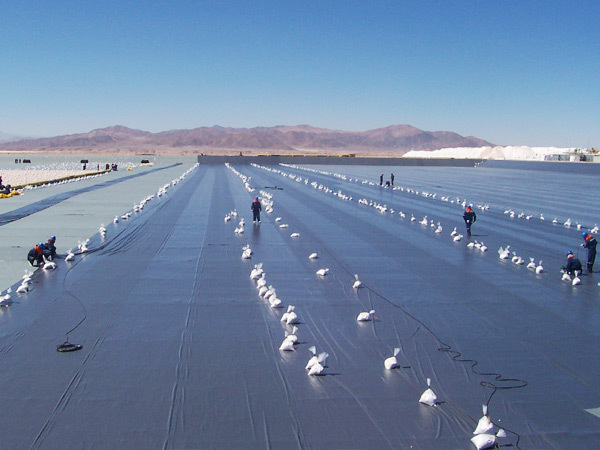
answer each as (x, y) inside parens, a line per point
(256, 234)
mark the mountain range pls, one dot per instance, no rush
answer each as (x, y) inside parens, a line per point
(394, 140)
(5, 137)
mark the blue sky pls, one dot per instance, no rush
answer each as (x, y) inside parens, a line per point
(511, 72)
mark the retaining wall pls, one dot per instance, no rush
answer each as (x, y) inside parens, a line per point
(337, 161)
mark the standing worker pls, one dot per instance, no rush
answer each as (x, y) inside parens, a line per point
(392, 178)
(589, 243)
(49, 248)
(381, 180)
(256, 208)
(470, 218)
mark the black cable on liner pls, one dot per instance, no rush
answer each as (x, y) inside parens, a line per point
(67, 346)
(444, 347)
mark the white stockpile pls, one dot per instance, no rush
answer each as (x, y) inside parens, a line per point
(522, 153)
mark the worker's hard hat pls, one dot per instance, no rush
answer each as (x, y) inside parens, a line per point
(569, 253)
(584, 234)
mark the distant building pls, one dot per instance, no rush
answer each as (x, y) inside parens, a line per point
(576, 155)
(557, 157)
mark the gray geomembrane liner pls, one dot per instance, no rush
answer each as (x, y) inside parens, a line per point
(58, 198)
(179, 350)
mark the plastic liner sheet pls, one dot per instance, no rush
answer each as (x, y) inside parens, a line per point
(179, 351)
(48, 202)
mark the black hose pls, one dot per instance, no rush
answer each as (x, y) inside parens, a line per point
(444, 347)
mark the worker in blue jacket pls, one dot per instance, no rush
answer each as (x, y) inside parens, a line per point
(470, 217)
(35, 255)
(50, 248)
(589, 242)
(256, 208)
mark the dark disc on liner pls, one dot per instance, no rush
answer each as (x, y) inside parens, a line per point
(68, 347)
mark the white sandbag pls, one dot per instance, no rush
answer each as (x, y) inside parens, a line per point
(428, 397)
(485, 424)
(482, 441)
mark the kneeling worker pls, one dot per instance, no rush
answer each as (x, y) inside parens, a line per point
(36, 255)
(573, 264)
(49, 248)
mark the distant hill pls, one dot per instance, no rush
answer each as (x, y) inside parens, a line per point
(393, 140)
(5, 137)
